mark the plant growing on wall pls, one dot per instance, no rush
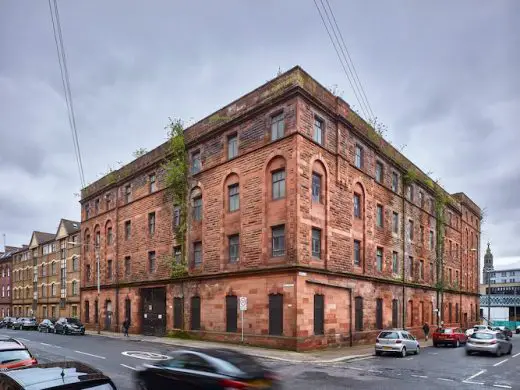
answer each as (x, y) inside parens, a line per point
(176, 171)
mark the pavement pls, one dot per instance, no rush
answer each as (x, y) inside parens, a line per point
(433, 368)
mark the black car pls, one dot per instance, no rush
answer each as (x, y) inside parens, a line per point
(208, 369)
(59, 375)
(46, 326)
(69, 325)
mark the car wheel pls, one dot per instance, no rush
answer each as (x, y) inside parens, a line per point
(141, 385)
(457, 344)
(468, 352)
(403, 352)
(499, 352)
(378, 353)
(436, 345)
(418, 350)
(510, 350)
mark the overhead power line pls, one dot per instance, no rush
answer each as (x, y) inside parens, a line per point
(345, 59)
(65, 80)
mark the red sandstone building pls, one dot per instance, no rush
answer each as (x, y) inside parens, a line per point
(296, 204)
(6, 267)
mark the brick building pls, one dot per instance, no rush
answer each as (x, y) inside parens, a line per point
(6, 264)
(46, 274)
(296, 204)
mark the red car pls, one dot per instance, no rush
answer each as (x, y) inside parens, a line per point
(449, 336)
(13, 354)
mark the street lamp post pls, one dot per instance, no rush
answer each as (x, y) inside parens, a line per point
(489, 296)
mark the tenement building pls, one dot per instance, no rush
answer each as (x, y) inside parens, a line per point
(299, 213)
(46, 274)
(6, 264)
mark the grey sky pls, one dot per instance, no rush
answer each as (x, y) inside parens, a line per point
(443, 76)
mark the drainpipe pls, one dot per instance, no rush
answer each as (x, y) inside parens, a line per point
(117, 260)
(350, 316)
(404, 260)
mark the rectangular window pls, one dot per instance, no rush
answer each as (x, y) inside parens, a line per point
(432, 240)
(357, 252)
(431, 273)
(358, 159)
(196, 164)
(176, 216)
(316, 187)
(379, 215)
(128, 193)
(86, 313)
(421, 269)
(109, 269)
(195, 313)
(153, 183)
(450, 276)
(379, 313)
(421, 199)
(358, 309)
(96, 206)
(456, 312)
(197, 208)
(457, 277)
(231, 313)
(379, 259)
(197, 253)
(278, 241)
(87, 211)
(316, 243)
(128, 230)
(234, 197)
(234, 248)
(151, 262)
(395, 313)
(409, 192)
(127, 265)
(151, 224)
(177, 313)
(357, 206)
(276, 314)
(278, 183)
(88, 272)
(177, 254)
(379, 172)
(277, 127)
(410, 230)
(450, 309)
(410, 266)
(395, 263)
(232, 145)
(421, 233)
(109, 236)
(395, 222)
(395, 182)
(318, 131)
(319, 314)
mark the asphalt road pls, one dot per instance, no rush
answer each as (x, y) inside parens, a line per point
(434, 368)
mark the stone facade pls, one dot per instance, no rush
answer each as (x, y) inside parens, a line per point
(298, 205)
(6, 267)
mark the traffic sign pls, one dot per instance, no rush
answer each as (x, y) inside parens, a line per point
(243, 303)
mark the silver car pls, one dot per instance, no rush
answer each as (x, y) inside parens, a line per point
(396, 341)
(492, 342)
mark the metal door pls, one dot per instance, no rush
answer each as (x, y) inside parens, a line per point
(153, 311)
(108, 314)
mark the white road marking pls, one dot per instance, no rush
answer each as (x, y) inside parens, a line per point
(48, 345)
(499, 363)
(376, 371)
(89, 354)
(473, 383)
(357, 368)
(130, 367)
(433, 353)
(409, 358)
(516, 354)
(474, 376)
(445, 379)
(502, 386)
(365, 358)
(419, 376)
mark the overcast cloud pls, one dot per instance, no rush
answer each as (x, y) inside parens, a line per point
(443, 76)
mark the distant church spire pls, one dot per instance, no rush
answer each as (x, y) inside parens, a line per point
(488, 263)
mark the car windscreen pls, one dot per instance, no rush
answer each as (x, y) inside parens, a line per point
(388, 335)
(73, 321)
(243, 362)
(14, 355)
(445, 331)
(483, 336)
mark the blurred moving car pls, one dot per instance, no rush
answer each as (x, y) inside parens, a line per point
(17, 323)
(495, 343)
(396, 341)
(478, 328)
(517, 330)
(46, 326)
(206, 369)
(69, 325)
(59, 375)
(449, 336)
(14, 354)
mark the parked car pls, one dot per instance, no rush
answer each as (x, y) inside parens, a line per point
(504, 329)
(495, 343)
(517, 330)
(14, 354)
(17, 323)
(477, 328)
(46, 326)
(29, 323)
(69, 325)
(396, 341)
(56, 376)
(449, 336)
(206, 369)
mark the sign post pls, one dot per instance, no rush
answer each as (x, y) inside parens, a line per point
(243, 308)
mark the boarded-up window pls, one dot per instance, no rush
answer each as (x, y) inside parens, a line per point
(276, 314)
(177, 313)
(395, 313)
(195, 313)
(231, 313)
(319, 314)
(86, 313)
(456, 312)
(379, 313)
(359, 313)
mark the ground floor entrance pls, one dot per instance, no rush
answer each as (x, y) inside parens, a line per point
(153, 310)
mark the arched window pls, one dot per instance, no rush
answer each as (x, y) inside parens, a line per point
(75, 263)
(53, 290)
(43, 290)
(196, 204)
(74, 287)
